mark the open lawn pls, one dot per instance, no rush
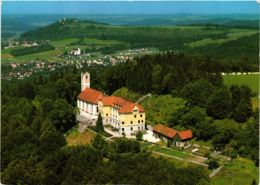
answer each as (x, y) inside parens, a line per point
(251, 80)
(179, 163)
(7, 57)
(91, 42)
(202, 143)
(63, 43)
(240, 172)
(171, 152)
(145, 145)
(76, 138)
(127, 94)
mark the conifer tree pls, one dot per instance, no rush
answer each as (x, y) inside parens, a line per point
(99, 124)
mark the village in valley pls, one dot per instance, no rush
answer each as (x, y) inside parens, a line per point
(74, 57)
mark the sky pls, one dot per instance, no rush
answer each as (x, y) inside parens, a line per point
(130, 7)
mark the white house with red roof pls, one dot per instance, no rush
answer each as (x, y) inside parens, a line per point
(125, 116)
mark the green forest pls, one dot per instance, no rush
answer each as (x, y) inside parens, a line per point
(38, 111)
(35, 115)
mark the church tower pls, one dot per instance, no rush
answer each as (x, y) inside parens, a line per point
(85, 81)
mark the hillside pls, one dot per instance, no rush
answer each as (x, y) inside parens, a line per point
(206, 39)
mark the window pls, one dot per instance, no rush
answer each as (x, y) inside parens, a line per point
(97, 109)
(106, 120)
(123, 122)
(138, 121)
(131, 128)
(141, 115)
(135, 116)
(106, 114)
(123, 129)
(138, 128)
(131, 122)
(142, 121)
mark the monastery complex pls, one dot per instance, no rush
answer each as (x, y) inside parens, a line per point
(123, 115)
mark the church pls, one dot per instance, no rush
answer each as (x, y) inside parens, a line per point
(123, 115)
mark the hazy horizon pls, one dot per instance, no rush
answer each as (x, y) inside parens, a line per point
(130, 7)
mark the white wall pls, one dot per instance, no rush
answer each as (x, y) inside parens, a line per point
(128, 131)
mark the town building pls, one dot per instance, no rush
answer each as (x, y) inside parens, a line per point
(75, 52)
(172, 137)
(123, 115)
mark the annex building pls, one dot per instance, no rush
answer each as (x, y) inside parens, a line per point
(171, 136)
(123, 115)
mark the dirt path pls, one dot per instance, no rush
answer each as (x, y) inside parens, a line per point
(188, 160)
(143, 97)
(215, 171)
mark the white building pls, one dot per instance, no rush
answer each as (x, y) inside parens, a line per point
(75, 52)
(121, 114)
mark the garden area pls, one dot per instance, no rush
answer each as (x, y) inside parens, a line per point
(239, 172)
(74, 138)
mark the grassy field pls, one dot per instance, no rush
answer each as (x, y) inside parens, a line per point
(125, 93)
(7, 57)
(75, 138)
(251, 80)
(179, 163)
(202, 143)
(90, 41)
(171, 152)
(63, 43)
(240, 172)
(235, 34)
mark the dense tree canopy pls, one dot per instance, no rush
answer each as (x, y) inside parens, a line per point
(218, 105)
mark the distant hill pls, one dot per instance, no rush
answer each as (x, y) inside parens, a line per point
(207, 39)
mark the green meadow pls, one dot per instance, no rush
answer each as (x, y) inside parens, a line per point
(233, 35)
(239, 172)
(51, 54)
(63, 43)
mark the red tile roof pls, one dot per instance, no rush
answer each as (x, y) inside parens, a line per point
(129, 106)
(125, 105)
(90, 95)
(166, 131)
(93, 96)
(186, 134)
(171, 133)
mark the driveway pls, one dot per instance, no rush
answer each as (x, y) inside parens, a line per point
(149, 137)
